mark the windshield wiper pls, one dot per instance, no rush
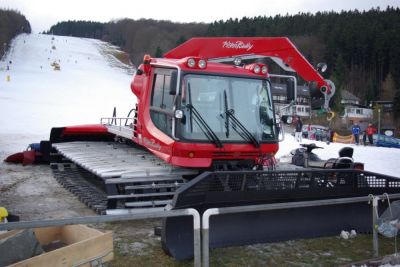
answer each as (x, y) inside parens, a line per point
(226, 117)
(245, 134)
(204, 127)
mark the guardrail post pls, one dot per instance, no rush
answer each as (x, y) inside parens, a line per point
(375, 241)
(205, 234)
(196, 236)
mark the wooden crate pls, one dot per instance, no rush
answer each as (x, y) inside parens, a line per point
(83, 245)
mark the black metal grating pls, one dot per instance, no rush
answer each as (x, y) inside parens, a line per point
(245, 187)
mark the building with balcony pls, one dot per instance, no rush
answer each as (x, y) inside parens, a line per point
(354, 112)
(303, 103)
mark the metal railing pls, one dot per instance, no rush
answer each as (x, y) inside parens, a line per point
(201, 234)
(120, 126)
(115, 218)
(279, 206)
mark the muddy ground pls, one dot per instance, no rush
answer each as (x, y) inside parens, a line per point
(33, 194)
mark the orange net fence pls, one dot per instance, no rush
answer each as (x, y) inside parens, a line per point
(345, 139)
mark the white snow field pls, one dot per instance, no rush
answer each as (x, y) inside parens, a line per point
(37, 97)
(88, 86)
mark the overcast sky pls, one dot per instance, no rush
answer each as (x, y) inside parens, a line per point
(42, 14)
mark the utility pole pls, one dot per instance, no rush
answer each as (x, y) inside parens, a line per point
(379, 123)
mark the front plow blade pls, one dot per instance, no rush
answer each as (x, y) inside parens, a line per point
(228, 189)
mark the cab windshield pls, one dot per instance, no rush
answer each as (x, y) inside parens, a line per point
(231, 108)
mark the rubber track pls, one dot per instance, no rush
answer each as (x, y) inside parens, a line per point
(73, 178)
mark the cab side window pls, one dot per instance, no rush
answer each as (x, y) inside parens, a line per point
(161, 104)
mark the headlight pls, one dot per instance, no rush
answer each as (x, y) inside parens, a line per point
(178, 114)
(202, 64)
(264, 70)
(257, 69)
(191, 62)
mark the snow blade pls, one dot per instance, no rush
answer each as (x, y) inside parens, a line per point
(26, 157)
(15, 158)
(228, 189)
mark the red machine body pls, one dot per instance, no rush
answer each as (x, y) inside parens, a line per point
(201, 60)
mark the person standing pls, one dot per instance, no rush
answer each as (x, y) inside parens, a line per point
(356, 133)
(299, 128)
(364, 138)
(309, 131)
(370, 131)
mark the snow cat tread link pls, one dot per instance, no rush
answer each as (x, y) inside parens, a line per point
(124, 177)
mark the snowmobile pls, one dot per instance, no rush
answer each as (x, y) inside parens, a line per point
(305, 157)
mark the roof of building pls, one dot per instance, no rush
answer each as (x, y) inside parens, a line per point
(280, 89)
(346, 95)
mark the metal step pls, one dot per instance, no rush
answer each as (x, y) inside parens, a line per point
(144, 195)
(143, 179)
(153, 203)
(133, 211)
(153, 186)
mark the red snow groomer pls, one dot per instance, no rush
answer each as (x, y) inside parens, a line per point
(204, 134)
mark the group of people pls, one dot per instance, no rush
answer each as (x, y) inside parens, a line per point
(368, 132)
(310, 133)
(356, 131)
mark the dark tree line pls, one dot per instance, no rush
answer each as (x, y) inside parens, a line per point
(87, 29)
(136, 37)
(362, 49)
(12, 23)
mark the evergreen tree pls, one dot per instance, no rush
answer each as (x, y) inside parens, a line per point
(159, 52)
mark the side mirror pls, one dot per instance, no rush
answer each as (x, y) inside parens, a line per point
(173, 82)
(178, 114)
(290, 89)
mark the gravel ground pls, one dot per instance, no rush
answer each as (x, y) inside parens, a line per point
(33, 194)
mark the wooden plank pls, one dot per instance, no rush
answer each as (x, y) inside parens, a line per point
(75, 233)
(48, 234)
(94, 244)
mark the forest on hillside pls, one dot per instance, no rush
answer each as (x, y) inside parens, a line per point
(136, 37)
(362, 49)
(12, 23)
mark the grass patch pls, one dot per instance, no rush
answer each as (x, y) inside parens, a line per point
(122, 57)
(327, 251)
